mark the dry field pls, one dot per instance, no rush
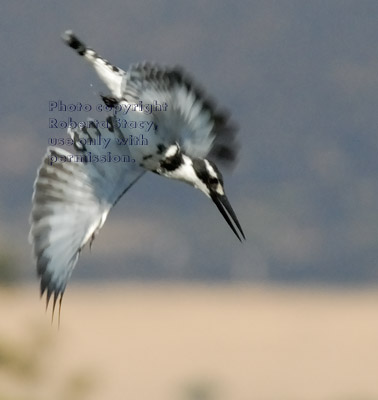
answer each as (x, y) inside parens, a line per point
(181, 342)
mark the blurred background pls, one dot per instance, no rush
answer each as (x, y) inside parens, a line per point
(291, 313)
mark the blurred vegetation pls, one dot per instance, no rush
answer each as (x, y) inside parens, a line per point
(23, 364)
(17, 360)
(78, 386)
(201, 389)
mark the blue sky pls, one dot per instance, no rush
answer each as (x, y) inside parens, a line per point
(299, 78)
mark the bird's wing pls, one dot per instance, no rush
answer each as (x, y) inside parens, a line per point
(72, 197)
(189, 118)
(111, 75)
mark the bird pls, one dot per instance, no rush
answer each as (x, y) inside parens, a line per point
(73, 193)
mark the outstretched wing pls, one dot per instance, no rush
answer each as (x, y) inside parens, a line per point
(191, 118)
(72, 197)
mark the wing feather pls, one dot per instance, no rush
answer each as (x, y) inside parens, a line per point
(192, 118)
(71, 201)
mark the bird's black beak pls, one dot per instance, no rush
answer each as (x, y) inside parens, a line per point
(224, 205)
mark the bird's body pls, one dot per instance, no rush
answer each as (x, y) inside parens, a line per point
(73, 194)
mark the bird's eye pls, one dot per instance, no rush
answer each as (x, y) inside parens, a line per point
(213, 181)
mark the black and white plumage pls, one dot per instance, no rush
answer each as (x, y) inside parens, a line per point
(73, 195)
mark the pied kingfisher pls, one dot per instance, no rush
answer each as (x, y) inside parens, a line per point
(71, 200)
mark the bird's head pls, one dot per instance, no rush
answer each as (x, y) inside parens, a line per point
(204, 175)
(209, 180)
